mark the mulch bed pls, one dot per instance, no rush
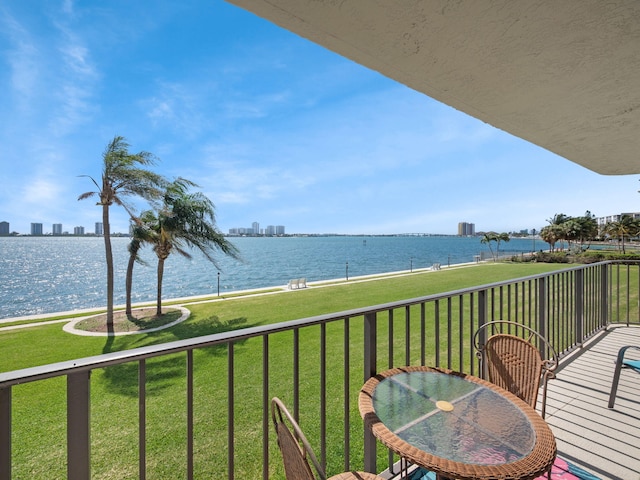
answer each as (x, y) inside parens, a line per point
(141, 319)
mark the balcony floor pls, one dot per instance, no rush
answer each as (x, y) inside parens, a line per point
(601, 440)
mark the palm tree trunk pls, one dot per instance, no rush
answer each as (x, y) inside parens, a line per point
(109, 257)
(129, 281)
(160, 275)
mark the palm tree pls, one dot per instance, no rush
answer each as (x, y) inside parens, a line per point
(570, 231)
(588, 228)
(141, 233)
(487, 238)
(501, 237)
(626, 226)
(558, 228)
(122, 177)
(551, 234)
(187, 220)
(558, 219)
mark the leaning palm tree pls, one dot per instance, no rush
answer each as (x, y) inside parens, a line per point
(487, 238)
(122, 177)
(501, 237)
(141, 233)
(186, 221)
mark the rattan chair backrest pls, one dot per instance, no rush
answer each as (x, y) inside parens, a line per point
(512, 361)
(297, 454)
(294, 446)
(515, 365)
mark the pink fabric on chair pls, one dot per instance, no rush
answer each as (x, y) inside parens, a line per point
(563, 470)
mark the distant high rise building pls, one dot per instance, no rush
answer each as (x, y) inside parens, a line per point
(255, 229)
(99, 230)
(466, 229)
(36, 229)
(56, 229)
(78, 230)
(4, 228)
(602, 221)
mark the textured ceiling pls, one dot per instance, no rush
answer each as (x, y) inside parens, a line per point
(564, 75)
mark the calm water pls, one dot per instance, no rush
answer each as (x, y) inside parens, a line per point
(53, 274)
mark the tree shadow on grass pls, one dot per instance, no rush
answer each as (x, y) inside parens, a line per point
(198, 327)
(160, 375)
(163, 371)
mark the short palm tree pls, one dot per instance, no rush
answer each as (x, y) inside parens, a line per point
(122, 177)
(187, 220)
(551, 234)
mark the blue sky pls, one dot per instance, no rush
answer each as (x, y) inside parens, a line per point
(273, 128)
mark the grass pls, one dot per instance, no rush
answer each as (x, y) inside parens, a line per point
(39, 429)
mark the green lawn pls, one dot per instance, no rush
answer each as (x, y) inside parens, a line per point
(39, 429)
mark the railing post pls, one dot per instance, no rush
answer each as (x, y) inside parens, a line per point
(5, 433)
(604, 295)
(542, 307)
(78, 429)
(579, 306)
(142, 420)
(482, 319)
(370, 366)
(370, 346)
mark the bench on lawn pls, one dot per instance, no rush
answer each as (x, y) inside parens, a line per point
(297, 283)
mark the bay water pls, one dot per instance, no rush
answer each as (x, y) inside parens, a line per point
(42, 275)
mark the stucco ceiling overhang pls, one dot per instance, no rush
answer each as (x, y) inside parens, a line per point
(562, 74)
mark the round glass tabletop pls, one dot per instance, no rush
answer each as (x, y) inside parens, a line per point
(451, 417)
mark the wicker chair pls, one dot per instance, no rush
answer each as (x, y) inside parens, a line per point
(620, 364)
(296, 450)
(513, 361)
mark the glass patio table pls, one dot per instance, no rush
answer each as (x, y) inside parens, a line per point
(456, 425)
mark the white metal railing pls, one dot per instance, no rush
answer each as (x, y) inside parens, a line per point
(566, 307)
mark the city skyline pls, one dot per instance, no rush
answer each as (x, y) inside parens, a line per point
(255, 229)
(37, 228)
(463, 229)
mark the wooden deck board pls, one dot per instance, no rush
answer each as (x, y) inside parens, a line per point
(601, 440)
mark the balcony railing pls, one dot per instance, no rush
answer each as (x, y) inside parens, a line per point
(317, 366)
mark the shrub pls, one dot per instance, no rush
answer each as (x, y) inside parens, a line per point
(552, 257)
(584, 257)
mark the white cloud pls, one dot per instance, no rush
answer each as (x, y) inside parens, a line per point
(23, 59)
